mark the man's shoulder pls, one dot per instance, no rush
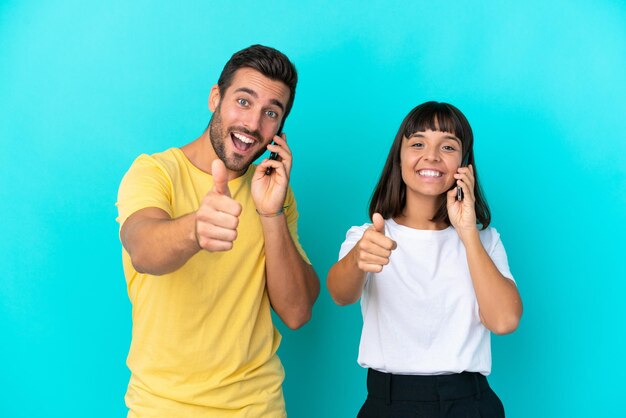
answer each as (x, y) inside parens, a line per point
(168, 161)
(168, 156)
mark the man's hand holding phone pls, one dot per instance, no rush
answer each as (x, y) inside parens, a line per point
(269, 190)
(273, 156)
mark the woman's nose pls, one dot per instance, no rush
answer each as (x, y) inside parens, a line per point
(432, 154)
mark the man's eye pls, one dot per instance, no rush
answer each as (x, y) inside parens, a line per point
(242, 102)
(272, 114)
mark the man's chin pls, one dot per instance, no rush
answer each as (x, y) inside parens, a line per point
(238, 163)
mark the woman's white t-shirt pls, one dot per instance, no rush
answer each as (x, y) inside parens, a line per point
(420, 313)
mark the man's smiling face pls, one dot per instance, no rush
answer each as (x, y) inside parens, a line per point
(246, 118)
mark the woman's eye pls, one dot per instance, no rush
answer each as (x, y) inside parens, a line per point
(449, 148)
(417, 145)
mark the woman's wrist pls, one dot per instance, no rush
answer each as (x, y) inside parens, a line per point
(469, 236)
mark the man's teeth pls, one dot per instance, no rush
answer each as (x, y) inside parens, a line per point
(429, 173)
(243, 138)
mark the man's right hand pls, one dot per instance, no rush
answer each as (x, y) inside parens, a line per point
(374, 248)
(218, 215)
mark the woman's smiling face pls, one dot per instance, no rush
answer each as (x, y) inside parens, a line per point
(429, 159)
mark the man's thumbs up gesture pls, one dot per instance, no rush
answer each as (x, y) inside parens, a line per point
(374, 248)
(220, 177)
(218, 215)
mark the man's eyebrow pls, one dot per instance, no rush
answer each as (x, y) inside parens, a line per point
(255, 95)
(279, 104)
(247, 90)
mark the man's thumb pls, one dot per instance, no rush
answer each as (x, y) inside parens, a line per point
(379, 222)
(220, 177)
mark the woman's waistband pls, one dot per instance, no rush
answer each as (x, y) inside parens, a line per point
(402, 387)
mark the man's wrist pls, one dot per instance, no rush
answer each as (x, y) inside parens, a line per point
(193, 236)
(281, 211)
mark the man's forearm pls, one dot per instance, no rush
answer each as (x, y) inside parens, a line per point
(159, 246)
(292, 284)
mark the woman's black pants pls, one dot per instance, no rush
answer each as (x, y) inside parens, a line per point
(463, 395)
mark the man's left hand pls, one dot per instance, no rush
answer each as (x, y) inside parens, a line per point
(269, 191)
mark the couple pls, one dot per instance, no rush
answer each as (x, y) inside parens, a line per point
(210, 244)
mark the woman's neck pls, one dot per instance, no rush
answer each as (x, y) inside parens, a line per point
(418, 214)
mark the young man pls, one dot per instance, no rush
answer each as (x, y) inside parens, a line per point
(210, 243)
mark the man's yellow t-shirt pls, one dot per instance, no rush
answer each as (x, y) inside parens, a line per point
(203, 342)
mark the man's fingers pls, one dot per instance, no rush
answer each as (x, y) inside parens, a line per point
(220, 177)
(215, 230)
(207, 232)
(215, 203)
(214, 244)
(275, 164)
(218, 218)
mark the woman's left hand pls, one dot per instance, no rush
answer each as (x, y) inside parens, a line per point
(462, 213)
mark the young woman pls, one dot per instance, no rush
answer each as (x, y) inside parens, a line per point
(432, 277)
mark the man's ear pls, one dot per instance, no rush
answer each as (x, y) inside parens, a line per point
(214, 98)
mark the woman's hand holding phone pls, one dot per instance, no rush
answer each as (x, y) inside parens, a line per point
(462, 213)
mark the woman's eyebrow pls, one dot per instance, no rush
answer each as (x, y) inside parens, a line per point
(419, 135)
(452, 137)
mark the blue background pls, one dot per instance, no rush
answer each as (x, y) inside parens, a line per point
(86, 86)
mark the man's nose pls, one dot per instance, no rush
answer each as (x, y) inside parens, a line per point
(252, 121)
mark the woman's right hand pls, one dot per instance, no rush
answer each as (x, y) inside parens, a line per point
(373, 250)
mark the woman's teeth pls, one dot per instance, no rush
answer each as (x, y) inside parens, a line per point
(429, 173)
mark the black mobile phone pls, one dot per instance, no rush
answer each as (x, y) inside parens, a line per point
(273, 156)
(459, 189)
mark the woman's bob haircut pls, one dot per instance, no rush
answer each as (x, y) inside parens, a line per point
(389, 197)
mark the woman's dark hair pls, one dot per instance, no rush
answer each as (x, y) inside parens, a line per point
(389, 197)
(268, 61)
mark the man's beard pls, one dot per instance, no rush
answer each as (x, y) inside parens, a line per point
(218, 136)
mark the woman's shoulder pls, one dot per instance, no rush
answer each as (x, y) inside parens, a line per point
(489, 231)
(357, 230)
(489, 236)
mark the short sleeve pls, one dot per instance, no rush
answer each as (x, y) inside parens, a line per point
(145, 184)
(353, 236)
(496, 251)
